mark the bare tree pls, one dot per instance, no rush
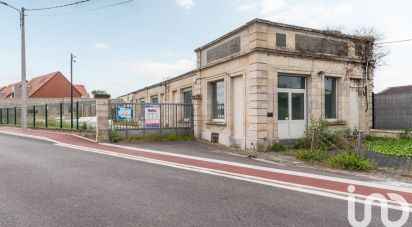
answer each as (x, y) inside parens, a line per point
(369, 47)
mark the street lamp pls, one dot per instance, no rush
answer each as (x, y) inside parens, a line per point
(72, 60)
(23, 66)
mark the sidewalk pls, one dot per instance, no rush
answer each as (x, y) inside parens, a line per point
(292, 180)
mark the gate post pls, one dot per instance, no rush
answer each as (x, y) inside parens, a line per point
(102, 115)
(197, 116)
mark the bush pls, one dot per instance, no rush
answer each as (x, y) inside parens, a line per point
(114, 137)
(322, 134)
(312, 156)
(276, 147)
(405, 134)
(351, 161)
(301, 144)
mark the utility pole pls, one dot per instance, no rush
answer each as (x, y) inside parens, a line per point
(72, 59)
(23, 72)
(23, 66)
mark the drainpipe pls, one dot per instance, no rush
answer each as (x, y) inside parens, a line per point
(366, 85)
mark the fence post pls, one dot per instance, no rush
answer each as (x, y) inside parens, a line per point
(15, 116)
(46, 116)
(103, 117)
(1, 116)
(161, 119)
(34, 116)
(77, 115)
(359, 142)
(61, 115)
(7, 117)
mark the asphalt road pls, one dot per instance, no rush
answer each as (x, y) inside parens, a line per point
(46, 185)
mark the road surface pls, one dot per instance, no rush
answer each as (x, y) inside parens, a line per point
(42, 184)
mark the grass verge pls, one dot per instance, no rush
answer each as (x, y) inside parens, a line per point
(390, 146)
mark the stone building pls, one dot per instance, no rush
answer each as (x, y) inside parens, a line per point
(266, 81)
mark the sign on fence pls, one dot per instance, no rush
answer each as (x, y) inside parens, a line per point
(124, 113)
(152, 116)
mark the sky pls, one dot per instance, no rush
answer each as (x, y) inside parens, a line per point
(126, 47)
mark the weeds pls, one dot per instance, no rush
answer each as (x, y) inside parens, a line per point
(312, 156)
(276, 147)
(351, 161)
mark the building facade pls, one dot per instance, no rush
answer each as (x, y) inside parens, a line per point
(266, 81)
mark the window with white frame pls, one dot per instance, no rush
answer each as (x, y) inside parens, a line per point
(330, 98)
(218, 100)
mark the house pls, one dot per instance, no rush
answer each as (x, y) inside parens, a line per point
(392, 108)
(267, 81)
(53, 85)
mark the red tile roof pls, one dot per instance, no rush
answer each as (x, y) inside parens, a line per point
(38, 82)
(82, 90)
(7, 90)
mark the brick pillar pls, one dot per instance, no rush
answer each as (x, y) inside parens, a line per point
(197, 116)
(103, 115)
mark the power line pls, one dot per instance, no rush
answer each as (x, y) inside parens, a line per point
(60, 6)
(86, 10)
(396, 41)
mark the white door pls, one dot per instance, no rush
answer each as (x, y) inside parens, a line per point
(291, 113)
(354, 106)
(237, 100)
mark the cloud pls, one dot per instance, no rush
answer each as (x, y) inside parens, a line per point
(313, 15)
(100, 45)
(187, 4)
(246, 8)
(160, 70)
(270, 6)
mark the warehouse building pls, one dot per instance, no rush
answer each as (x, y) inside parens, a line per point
(266, 81)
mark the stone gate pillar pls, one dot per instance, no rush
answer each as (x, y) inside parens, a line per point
(102, 115)
(197, 116)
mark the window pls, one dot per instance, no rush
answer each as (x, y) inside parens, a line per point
(154, 99)
(280, 40)
(218, 100)
(187, 99)
(292, 82)
(283, 106)
(330, 98)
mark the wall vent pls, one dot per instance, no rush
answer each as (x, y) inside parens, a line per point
(215, 138)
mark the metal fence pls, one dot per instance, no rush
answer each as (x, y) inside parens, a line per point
(55, 115)
(392, 111)
(142, 116)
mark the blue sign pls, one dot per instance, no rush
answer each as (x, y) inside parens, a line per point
(124, 113)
